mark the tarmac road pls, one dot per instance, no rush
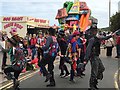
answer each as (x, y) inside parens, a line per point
(111, 66)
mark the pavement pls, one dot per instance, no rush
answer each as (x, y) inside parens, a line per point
(111, 76)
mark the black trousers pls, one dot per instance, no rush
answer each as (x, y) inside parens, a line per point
(38, 55)
(4, 58)
(82, 57)
(109, 51)
(62, 65)
(97, 69)
(72, 73)
(8, 70)
(50, 61)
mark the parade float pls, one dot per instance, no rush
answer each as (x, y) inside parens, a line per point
(23, 24)
(75, 15)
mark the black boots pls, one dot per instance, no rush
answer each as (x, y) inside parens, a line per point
(93, 84)
(100, 76)
(16, 84)
(94, 87)
(52, 84)
(9, 76)
(48, 77)
(82, 73)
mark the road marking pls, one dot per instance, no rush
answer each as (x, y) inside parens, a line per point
(5, 85)
(9, 85)
(25, 77)
(115, 78)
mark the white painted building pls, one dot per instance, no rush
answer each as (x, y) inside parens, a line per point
(21, 24)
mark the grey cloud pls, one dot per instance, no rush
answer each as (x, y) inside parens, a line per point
(32, 6)
(48, 9)
(50, 1)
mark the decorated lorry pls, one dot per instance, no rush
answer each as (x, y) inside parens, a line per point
(75, 15)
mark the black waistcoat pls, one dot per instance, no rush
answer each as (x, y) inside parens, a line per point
(96, 47)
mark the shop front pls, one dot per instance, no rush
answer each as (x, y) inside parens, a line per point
(24, 25)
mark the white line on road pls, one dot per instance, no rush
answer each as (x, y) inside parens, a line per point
(9, 85)
(115, 78)
(25, 77)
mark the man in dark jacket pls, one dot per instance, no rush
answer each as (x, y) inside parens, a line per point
(15, 41)
(63, 47)
(92, 54)
(48, 58)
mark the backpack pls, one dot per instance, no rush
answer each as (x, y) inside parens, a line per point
(19, 62)
(53, 50)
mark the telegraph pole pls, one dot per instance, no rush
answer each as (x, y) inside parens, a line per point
(109, 11)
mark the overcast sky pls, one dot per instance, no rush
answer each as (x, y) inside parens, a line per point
(48, 9)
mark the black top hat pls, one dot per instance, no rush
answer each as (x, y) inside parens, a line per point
(51, 31)
(61, 32)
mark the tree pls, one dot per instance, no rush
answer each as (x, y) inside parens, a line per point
(115, 22)
(105, 29)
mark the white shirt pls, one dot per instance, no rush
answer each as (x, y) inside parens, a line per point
(109, 42)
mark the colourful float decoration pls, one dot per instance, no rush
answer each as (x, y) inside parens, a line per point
(76, 15)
